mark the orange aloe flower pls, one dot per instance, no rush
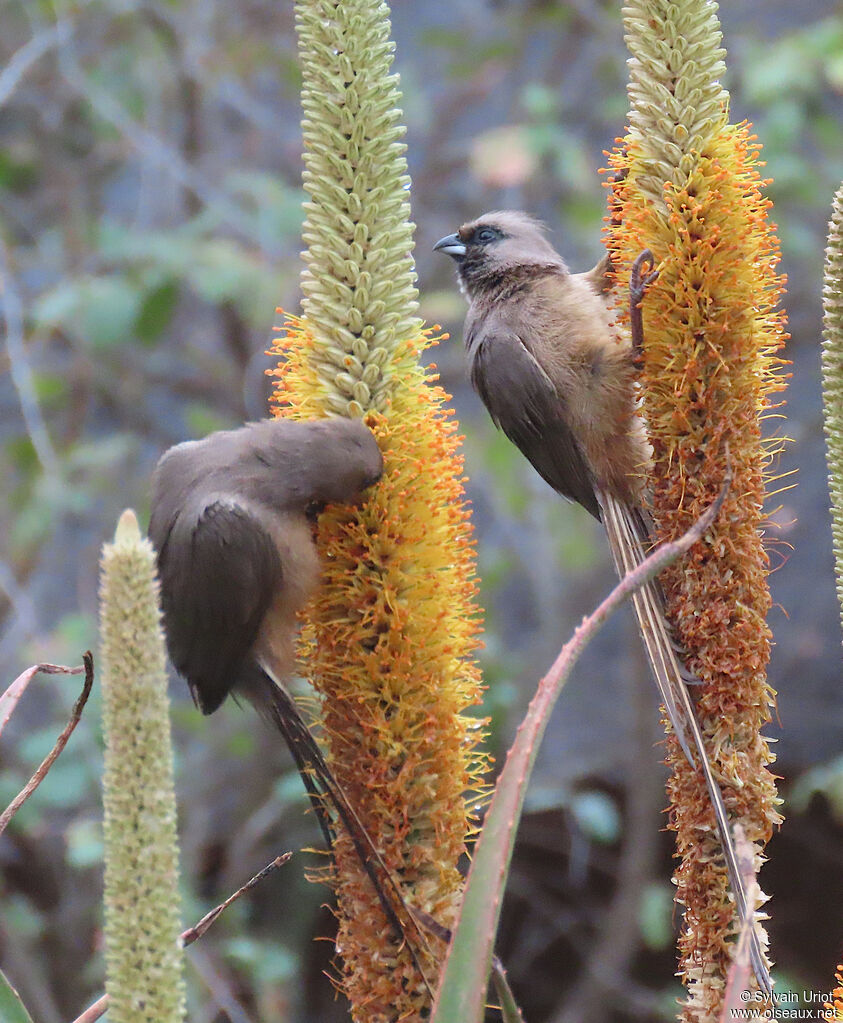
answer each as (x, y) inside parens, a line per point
(389, 641)
(692, 193)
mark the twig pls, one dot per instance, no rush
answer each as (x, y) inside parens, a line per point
(220, 988)
(159, 153)
(9, 699)
(30, 53)
(22, 617)
(99, 1007)
(194, 54)
(61, 742)
(197, 930)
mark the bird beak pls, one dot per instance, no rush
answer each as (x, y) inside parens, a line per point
(452, 246)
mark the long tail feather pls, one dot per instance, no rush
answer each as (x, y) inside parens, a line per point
(330, 803)
(628, 539)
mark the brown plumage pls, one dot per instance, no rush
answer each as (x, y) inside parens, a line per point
(236, 557)
(557, 375)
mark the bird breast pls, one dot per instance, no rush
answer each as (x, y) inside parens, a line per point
(293, 539)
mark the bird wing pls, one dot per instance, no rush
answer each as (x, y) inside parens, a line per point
(219, 571)
(523, 402)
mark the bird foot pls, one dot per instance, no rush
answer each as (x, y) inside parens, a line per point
(639, 281)
(641, 277)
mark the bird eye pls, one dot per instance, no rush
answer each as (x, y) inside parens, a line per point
(486, 234)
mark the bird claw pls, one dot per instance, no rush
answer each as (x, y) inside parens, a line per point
(640, 278)
(639, 281)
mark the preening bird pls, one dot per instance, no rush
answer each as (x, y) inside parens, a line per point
(557, 375)
(236, 559)
(231, 522)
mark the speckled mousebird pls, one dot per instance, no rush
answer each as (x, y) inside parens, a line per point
(230, 522)
(557, 374)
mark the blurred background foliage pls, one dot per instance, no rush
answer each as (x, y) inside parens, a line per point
(149, 225)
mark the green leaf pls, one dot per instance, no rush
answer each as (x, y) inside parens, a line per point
(66, 785)
(36, 744)
(32, 525)
(510, 1013)
(825, 779)
(156, 311)
(221, 270)
(597, 816)
(50, 387)
(17, 173)
(11, 782)
(202, 420)
(169, 252)
(655, 916)
(540, 102)
(272, 962)
(22, 454)
(11, 1007)
(84, 843)
(780, 72)
(96, 311)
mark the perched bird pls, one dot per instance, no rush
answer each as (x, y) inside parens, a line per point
(231, 522)
(236, 559)
(557, 375)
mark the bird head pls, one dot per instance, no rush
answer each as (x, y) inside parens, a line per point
(496, 245)
(344, 460)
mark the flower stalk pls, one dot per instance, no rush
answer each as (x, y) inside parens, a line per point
(389, 640)
(144, 959)
(692, 193)
(832, 365)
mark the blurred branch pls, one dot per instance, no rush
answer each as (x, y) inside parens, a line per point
(219, 989)
(98, 1009)
(20, 370)
(61, 742)
(22, 608)
(157, 152)
(227, 89)
(30, 53)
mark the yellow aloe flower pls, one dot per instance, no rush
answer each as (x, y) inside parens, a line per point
(692, 193)
(389, 640)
